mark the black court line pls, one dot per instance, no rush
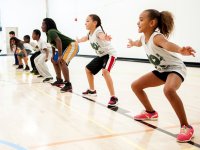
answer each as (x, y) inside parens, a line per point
(121, 110)
(124, 113)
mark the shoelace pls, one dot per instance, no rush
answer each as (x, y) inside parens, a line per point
(183, 130)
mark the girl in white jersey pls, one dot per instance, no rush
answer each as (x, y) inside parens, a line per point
(105, 59)
(170, 70)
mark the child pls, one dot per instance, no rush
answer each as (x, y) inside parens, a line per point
(28, 47)
(12, 34)
(37, 52)
(41, 59)
(170, 70)
(20, 51)
(105, 59)
(67, 49)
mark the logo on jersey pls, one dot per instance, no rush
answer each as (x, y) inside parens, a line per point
(156, 60)
(96, 46)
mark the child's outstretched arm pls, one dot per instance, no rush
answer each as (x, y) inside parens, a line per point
(83, 39)
(105, 37)
(161, 41)
(132, 43)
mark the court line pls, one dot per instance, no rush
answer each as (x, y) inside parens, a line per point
(92, 120)
(14, 82)
(12, 145)
(96, 138)
(121, 111)
(89, 138)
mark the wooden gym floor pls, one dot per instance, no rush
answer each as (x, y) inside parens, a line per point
(36, 116)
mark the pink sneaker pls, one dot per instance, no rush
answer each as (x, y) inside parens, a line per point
(146, 116)
(113, 101)
(186, 134)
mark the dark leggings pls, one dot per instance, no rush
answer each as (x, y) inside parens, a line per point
(16, 59)
(32, 59)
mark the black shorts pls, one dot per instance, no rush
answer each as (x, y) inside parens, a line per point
(163, 75)
(98, 63)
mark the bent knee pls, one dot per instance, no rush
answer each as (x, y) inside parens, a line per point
(134, 86)
(168, 91)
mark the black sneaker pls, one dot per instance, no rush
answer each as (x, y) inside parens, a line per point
(67, 88)
(20, 67)
(113, 101)
(90, 93)
(33, 71)
(58, 82)
(40, 76)
(48, 79)
(36, 73)
(27, 68)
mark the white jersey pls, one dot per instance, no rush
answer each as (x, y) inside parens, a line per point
(28, 47)
(163, 60)
(101, 47)
(42, 45)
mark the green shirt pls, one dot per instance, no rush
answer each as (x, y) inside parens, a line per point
(52, 34)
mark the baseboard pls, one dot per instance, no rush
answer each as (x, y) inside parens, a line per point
(189, 64)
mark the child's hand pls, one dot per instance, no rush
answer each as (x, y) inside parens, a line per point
(108, 37)
(130, 43)
(187, 51)
(60, 60)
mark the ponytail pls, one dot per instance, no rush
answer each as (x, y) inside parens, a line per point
(165, 21)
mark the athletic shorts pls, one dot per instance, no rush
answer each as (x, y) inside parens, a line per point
(68, 53)
(105, 62)
(163, 75)
(21, 53)
(55, 56)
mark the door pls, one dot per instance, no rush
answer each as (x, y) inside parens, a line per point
(8, 29)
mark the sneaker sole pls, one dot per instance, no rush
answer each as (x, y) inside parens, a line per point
(66, 91)
(58, 85)
(113, 104)
(93, 95)
(49, 81)
(148, 119)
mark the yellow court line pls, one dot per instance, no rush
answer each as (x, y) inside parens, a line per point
(87, 139)
(93, 121)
